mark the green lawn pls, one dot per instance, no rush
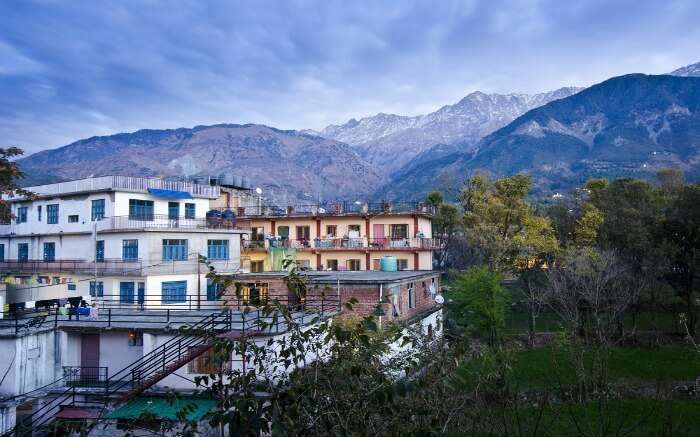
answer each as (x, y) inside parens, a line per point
(549, 367)
(618, 417)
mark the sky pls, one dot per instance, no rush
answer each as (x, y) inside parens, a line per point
(75, 69)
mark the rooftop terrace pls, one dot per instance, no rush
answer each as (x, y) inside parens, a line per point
(339, 208)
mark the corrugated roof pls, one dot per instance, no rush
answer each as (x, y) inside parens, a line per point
(163, 408)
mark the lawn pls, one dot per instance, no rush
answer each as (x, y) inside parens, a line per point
(550, 367)
(639, 417)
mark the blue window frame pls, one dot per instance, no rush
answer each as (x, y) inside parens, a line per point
(126, 292)
(140, 209)
(21, 214)
(174, 291)
(97, 288)
(100, 250)
(189, 211)
(174, 250)
(130, 249)
(98, 209)
(212, 290)
(142, 292)
(52, 214)
(173, 210)
(23, 251)
(217, 249)
(49, 252)
(2, 252)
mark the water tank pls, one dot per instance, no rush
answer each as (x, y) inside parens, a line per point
(245, 182)
(388, 264)
(237, 181)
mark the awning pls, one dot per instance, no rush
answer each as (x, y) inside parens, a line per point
(163, 408)
(170, 194)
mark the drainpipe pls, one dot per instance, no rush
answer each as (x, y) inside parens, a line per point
(381, 294)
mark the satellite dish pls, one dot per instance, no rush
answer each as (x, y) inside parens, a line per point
(322, 210)
(439, 299)
(258, 190)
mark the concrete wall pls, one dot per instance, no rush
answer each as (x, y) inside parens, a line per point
(115, 352)
(28, 361)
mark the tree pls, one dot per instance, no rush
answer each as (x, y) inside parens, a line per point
(479, 301)
(10, 173)
(588, 226)
(681, 230)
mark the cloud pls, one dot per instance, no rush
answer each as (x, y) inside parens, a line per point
(74, 70)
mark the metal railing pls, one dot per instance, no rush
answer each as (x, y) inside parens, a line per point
(82, 376)
(363, 243)
(78, 266)
(163, 221)
(127, 183)
(335, 209)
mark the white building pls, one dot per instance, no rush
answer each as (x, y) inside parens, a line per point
(126, 239)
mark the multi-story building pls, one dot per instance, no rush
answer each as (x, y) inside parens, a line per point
(340, 236)
(136, 239)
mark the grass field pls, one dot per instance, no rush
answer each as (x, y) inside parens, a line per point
(549, 367)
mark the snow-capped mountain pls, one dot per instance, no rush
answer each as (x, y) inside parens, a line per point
(390, 141)
(692, 70)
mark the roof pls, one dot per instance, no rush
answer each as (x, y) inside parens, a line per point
(355, 277)
(163, 408)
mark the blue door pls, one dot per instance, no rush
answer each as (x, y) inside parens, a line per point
(126, 292)
(142, 292)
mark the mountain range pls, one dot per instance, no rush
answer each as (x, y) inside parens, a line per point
(629, 125)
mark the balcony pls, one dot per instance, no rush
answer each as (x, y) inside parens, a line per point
(337, 209)
(164, 222)
(346, 244)
(108, 267)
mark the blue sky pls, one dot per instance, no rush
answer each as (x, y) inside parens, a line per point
(74, 69)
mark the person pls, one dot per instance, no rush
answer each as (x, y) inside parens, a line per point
(94, 311)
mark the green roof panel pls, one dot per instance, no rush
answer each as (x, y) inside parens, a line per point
(162, 408)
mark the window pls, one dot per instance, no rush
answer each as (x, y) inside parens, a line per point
(142, 292)
(212, 290)
(411, 296)
(332, 264)
(354, 231)
(71, 287)
(254, 293)
(73, 218)
(399, 231)
(52, 214)
(257, 266)
(21, 214)
(353, 264)
(126, 292)
(97, 288)
(189, 211)
(2, 252)
(49, 252)
(98, 210)
(174, 250)
(217, 249)
(331, 231)
(135, 338)
(376, 264)
(303, 233)
(304, 264)
(257, 234)
(174, 291)
(402, 264)
(283, 232)
(23, 252)
(173, 210)
(140, 209)
(130, 249)
(100, 250)
(38, 212)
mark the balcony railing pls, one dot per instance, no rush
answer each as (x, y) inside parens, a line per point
(125, 183)
(161, 221)
(336, 208)
(362, 243)
(80, 376)
(78, 266)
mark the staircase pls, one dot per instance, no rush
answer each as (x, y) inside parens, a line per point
(165, 359)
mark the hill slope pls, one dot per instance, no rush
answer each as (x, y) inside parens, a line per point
(390, 141)
(284, 163)
(628, 125)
